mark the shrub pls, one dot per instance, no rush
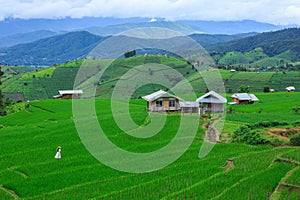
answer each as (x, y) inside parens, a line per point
(266, 89)
(266, 124)
(296, 109)
(245, 135)
(297, 123)
(244, 89)
(254, 138)
(129, 54)
(276, 141)
(295, 139)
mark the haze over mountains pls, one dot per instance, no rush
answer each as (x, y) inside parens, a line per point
(109, 26)
(54, 41)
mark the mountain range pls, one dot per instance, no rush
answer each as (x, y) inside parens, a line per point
(52, 50)
(77, 45)
(109, 25)
(53, 41)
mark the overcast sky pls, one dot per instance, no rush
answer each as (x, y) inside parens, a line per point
(272, 11)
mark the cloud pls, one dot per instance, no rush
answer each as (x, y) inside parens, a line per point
(293, 12)
(278, 12)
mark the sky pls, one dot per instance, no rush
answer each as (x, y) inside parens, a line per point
(281, 12)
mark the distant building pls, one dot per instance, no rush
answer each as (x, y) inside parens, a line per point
(211, 102)
(243, 98)
(162, 101)
(68, 94)
(232, 70)
(290, 89)
(189, 107)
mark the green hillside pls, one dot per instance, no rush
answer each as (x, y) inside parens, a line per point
(29, 171)
(272, 43)
(42, 84)
(45, 83)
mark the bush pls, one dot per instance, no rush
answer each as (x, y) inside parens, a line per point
(129, 54)
(244, 89)
(266, 124)
(296, 109)
(297, 123)
(244, 134)
(266, 89)
(276, 142)
(295, 139)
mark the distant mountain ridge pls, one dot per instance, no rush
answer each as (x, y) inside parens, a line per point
(117, 29)
(232, 27)
(12, 26)
(53, 50)
(77, 45)
(207, 40)
(19, 38)
(272, 43)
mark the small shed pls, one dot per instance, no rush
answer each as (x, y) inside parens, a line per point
(211, 102)
(68, 94)
(189, 107)
(290, 89)
(162, 101)
(243, 98)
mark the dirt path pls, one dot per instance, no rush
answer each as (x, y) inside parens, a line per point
(212, 133)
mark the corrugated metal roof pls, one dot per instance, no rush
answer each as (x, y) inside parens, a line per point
(241, 96)
(211, 97)
(245, 96)
(189, 104)
(158, 94)
(62, 92)
(253, 97)
(290, 88)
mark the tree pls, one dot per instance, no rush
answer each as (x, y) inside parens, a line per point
(296, 109)
(244, 89)
(295, 139)
(266, 89)
(129, 54)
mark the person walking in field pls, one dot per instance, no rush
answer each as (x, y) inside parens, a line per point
(58, 154)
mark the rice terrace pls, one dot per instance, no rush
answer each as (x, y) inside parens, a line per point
(168, 99)
(261, 164)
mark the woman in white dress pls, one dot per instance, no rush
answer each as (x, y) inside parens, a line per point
(58, 155)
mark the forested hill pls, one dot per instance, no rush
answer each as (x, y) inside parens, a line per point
(77, 45)
(52, 50)
(272, 43)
